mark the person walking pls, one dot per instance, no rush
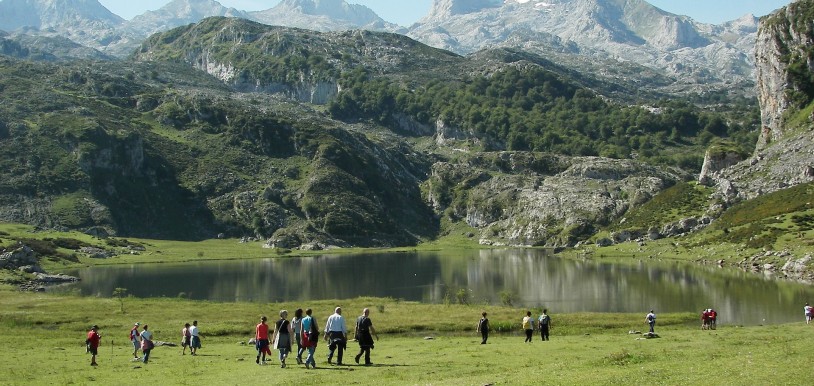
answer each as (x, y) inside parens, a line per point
(364, 335)
(92, 344)
(544, 323)
(528, 326)
(282, 337)
(296, 324)
(651, 320)
(483, 328)
(336, 333)
(146, 343)
(310, 337)
(261, 340)
(809, 313)
(195, 338)
(134, 339)
(185, 339)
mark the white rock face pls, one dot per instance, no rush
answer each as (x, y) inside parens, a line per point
(623, 31)
(178, 13)
(323, 15)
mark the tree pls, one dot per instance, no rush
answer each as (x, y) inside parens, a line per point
(120, 293)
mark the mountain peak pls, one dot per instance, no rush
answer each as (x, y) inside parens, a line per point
(41, 14)
(322, 15)
(448, 8)
(181, 12)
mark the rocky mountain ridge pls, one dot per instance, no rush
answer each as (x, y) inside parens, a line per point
(625, 40)
(696, 55)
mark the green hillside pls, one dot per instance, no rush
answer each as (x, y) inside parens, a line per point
(154, 147)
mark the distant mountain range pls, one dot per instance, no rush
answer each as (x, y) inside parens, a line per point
(630, 40)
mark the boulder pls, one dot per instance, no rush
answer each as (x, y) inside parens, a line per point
(22, 256)
(604, 242)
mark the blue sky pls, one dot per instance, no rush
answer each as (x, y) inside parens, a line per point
(406, 12)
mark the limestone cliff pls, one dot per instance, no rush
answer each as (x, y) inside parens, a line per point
(785, 63)
(784, 155)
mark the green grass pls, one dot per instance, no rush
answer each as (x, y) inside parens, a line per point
(680, 201)
(44, 337)
(48, 244)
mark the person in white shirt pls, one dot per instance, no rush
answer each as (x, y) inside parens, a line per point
(195, 342)
(809, 313)
(336, 333)
(146, 343)
(650, 319)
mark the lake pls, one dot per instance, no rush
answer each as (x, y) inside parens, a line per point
(531, 277)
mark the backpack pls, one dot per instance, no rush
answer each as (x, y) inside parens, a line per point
(313, 334)
(483, 324)
(544, 320)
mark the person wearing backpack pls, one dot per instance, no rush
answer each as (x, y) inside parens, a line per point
(310, 337)
(92, 344)
(545, 324)
(364, 335)
(483, 328)
(651, 320)
(133, 337)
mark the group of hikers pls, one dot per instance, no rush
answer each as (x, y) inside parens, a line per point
(709, 319)
(304, 332)
(301, 330)
(529, 324)
(190, 337)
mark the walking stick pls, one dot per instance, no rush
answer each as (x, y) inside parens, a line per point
(111, 350)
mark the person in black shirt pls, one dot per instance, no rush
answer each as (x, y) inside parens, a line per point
(483, 328)
(364, 335)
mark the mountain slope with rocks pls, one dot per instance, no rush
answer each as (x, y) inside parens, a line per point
(217, 127)
(612, 33)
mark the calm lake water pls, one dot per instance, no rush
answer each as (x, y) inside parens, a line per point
(534, 277)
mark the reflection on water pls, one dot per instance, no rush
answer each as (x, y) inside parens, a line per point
(532, 276)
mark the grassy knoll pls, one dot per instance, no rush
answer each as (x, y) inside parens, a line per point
(43, 337)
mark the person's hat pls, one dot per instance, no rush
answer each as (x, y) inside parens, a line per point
(136, 324)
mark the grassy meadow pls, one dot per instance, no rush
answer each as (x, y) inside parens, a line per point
(44, 334)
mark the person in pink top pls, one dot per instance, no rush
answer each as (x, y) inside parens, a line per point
(261, 339)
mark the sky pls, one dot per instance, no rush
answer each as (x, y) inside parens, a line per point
(406, 12)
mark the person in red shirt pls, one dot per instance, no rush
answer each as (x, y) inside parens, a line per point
(261, 339)
(92, 343)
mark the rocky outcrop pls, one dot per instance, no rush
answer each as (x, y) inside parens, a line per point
(784, 63)
(715, 160)
(20, 256)
(527, 199)
(784, 156)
